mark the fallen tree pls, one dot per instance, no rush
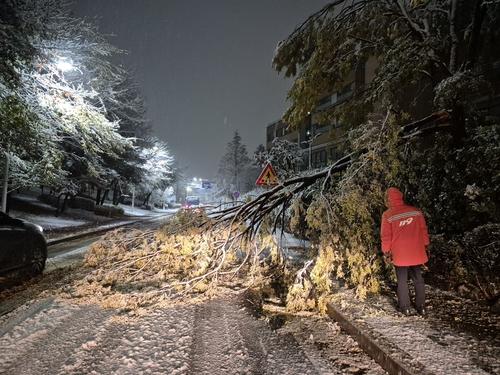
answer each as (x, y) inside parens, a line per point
(278, 198)
(192, 253)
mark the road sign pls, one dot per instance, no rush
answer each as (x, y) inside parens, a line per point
(267, 177)
(236, 194)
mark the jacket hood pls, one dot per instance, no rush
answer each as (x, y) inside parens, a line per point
(394, 197)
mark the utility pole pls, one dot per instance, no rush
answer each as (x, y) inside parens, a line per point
(5, 188)
(310, 142)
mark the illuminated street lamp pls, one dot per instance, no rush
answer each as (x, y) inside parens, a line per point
(64, 65)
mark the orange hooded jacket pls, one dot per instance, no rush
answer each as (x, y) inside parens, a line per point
(403, 231)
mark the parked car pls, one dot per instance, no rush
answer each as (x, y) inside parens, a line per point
(192, 201)
(22, 246)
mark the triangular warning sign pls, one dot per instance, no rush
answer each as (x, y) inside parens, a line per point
(267, 177)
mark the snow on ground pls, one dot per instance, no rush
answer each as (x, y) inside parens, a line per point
(136, 211)
(48, 222)
(439, 344)
(33, 200)
(289, 241)
(220, 336)
(45, 214)
(293, 248)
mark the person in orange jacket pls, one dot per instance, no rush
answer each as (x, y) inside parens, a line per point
(404, 240)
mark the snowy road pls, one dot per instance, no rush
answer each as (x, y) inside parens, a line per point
(49, 335)
(64, 253)
(221, 336)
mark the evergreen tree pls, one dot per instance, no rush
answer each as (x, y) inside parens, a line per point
(233, 166)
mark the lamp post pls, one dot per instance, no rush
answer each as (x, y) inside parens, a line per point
(5, 188)
(310, 142)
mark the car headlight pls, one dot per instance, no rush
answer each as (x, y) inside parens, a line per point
(38, 227)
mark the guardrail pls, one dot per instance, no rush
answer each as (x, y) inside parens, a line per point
(100, 230)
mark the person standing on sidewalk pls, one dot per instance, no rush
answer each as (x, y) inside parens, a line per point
(404, 241)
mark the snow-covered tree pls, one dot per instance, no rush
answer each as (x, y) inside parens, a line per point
(16, 44)
(80, 119)
(284, 156)
(233, 166)
(158, 171)
(429, 54)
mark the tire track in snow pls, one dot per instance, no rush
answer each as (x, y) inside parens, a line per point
(229, 340)
(42, 343)
(158, 343)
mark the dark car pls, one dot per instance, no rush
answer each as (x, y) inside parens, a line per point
(22, 246)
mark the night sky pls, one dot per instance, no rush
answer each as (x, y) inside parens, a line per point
(204, 67)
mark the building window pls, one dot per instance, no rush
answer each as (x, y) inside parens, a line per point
(324, 102)
(333, 154)
(279, 130)
(321, 128)
(270, 133)
(315, 159)
(346, 92)
(322, 158)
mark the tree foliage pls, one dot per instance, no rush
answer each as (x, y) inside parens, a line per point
(284, 156)
(426, 48)
(70, 117)
(431, 56)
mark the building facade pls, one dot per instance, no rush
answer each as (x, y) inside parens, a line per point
(324, 143)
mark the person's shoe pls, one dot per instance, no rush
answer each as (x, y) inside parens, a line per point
(405, 312)
(421, 311)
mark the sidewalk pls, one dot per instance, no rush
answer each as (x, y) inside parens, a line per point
(457, 337)
(72, 221)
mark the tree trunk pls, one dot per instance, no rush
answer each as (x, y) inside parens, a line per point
(63, 208)
(146, 200)
(475, 38)
(98, 197)
(58, 207)
(115, 195)
(104, 197)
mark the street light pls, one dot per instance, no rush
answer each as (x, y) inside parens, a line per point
(64, 64)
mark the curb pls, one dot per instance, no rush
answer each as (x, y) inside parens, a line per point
(368, 344)
(97, 231)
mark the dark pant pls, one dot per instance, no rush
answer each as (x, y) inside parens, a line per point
(415, 273)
